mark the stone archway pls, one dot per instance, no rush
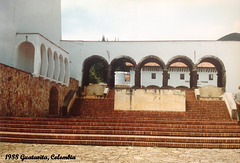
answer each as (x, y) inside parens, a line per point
(116, 62)
(221, 72)
(87, 64)
(192, 68)
(147, 59)
(53, 101)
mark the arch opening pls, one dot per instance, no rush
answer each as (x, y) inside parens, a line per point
(26, 55)
(207, 74)
(122, 72)
(56, 66)
(149, 72)
(44, 60)
(53, 101)
(95, 70)
(220, 74)
(50, 70)
(180, 72)
(179, 75)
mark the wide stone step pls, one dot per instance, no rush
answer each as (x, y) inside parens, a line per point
(165, 125)
(122, 132)
(121, 120)
(120, 137)
(121, 143)
(128, 128)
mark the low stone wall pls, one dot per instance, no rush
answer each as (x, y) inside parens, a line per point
(21, 94)
(150, 99)
(210, 92)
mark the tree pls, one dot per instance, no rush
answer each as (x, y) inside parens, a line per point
(98, 73)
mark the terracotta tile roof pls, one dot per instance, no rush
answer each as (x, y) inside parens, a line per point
(175, 64)
(206, 64)
(129, 64)
(178, 64)
(151, 64)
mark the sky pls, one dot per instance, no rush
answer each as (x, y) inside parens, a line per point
(130, 20)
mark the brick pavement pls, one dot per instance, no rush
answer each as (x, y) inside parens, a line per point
(123, 154)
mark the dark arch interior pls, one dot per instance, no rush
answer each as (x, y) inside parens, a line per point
(53, 101)
(88, 63)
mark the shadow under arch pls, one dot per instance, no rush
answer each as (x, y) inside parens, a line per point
(53, 101)
(87, 64)
(147, 59)
(221, 71)
(187, 61)
(25, 58)
(113, 65)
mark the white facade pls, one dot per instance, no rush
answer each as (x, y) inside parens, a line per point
(151, 76)
(120, 78)
(206, 76)
(42, 19)
(30, 37)
(227, 51)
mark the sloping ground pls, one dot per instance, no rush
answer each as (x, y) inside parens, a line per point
(230, 37)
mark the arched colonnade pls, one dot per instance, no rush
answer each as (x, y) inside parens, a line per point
(221, 81)
(43, 59)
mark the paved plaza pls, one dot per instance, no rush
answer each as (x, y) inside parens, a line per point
(122, 154)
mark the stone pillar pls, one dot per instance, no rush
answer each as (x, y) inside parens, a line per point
(110, 79)
(165, 78)
(137, 78)
(222, 80)
(193, 78)
(37, 61)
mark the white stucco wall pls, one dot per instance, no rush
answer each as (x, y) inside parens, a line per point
(120, 78)
(175, 80)
(204, 78)
(227, 51)
(146, 77)
(150, 100)
(44, 17)
(39, 16)
(7, 31)
(27, 16)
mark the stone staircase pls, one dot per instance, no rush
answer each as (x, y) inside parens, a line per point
(195, 110)
(205, 124)
(121, 132)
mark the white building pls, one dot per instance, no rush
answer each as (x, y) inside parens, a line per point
(178, 75)
(31, 40)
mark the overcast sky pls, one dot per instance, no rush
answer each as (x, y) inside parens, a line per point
(149, 19)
